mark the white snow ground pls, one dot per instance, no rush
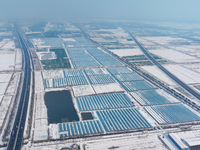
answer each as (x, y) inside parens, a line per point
(83, 90)
(186, 75)
(158, 74)
(127, 52)
(107, 88)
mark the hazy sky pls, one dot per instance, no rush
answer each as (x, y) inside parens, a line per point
(163, 10)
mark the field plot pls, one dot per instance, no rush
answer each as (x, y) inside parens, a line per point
(127, 52)
(107, 88)
(174, 55)
(95, 71)
(83, 90)
(186, 75)
(119, 70)
(52, 74)
(79, 128)
(47, 43)
(81, 58)
(105, 101)
(153, 97)
(111, 63)
(137, 85)
(60, 62)
(81, 64)
(4, 81)
(9, 45)
(195, 67)
(103, 58)
(7, 60)
(128, 77)
(73, 73)
(153, 70)
(69, 81)
(100, 79)
(122, 119)
(48, 55)
(84, 42)
(170, 114)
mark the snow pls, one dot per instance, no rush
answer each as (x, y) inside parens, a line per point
(13, 85)
(53, 74)
(127, 52)
(4, 108)
(195, 67)
(107, 88)
(186, 75)
(53, 131)
(1, 98)
(83, 90)
(7, 60)
(129, 141)
(167, 96)
(158, 74)
(175, 56)
(38, 81)
(40, 130)
(5, 77)
(3, 87)
(69, 39)
(9, 45)
(40, 107)
(18, 61)
(165, 138)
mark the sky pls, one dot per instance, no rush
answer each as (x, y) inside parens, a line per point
(150, 10)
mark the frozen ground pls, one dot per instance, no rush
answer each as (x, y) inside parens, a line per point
(175, 56)
(52, 74)
(107, 88)
(158, 74)
(129, 141)
(195, 67)
(11, 80)
(9, 45)
(7, 60)
(186, 75)
(127, 52)
(83, 90)
(40, 118)
(38, 82)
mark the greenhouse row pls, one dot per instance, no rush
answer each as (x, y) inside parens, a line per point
(122, 119)
(150, 97)
(104, 101)
(170, 114)
(79, 128)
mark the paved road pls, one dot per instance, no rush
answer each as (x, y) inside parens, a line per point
(169, 74)
(16, 137)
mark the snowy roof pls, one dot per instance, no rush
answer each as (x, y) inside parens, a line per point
(193, 141)
(178, 141)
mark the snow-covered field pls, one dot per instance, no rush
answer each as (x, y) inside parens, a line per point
(7, 60)
(83, 90)
(40, 118)
(107, 88)
(129, 141)
(174, 56)
(52, 74)
(158, 74)
(186, 75)
(9, 45)
(38, 82)
(127, 52)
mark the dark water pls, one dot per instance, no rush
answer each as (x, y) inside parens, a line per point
(60, 107)
(86, 116)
